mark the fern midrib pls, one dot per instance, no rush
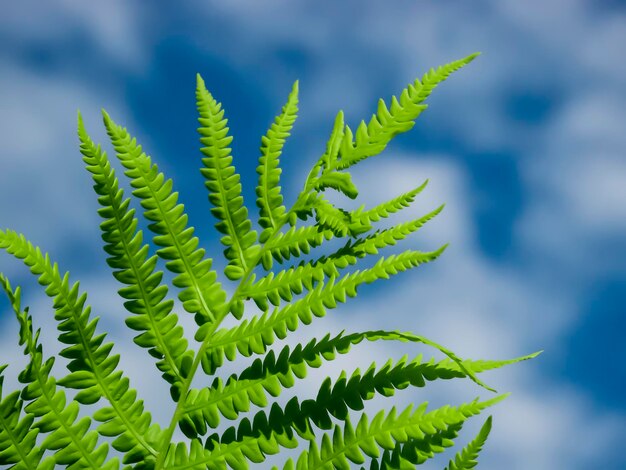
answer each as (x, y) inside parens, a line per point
(16, 443)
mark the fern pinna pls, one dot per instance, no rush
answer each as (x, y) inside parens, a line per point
(41, 429)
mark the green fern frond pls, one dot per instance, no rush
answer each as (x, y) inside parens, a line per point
(334, 398)
(399, 117)
(332, 218)
(274, 373)
(466, 459)
(74, 444)
(18, 446)
(223, 184)
(254, 336)
(381, 211)
(293, 243)
(201, 294)
(341, 182)
(417, 451)
(283, 285)
(145, 294)
(478, 366)
(385, 430)
(389, 237)
(269, 199)
(91, 365)
(40, 429)
(334, 142)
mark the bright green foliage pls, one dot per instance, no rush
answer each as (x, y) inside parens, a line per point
(466, 459)
(39, 429)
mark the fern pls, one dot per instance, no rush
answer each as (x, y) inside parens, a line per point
(466, 459)
(41, 429)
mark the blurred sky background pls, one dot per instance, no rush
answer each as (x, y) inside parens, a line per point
(526, 146)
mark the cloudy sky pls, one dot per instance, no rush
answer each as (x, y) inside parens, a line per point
(525, 146)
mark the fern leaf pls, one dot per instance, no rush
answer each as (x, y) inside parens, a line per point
(89, 357)
(333, 218)
(389, 121)
(179, 458)
(328, 159)
(384, 431)
(47, 404)
(366, 217)
(18, 446)
(269, 199)
(417, 451)
(281, 286)
(341, 182)
(162, 336)
(292, 243)
(201, 294)
(40, 429)
(389, 237)
(254, 336)
(266, 434)
(334, 399)
(334, 142)
(224, 187)
(466, 459)
(478, 366)
(270, 375)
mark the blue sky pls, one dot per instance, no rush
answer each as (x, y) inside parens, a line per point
(525, 146)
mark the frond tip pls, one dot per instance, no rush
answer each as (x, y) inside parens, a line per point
(466, 459)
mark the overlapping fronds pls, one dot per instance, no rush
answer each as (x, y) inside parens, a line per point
(92, 366)
(201, 293)
(40, 429)
(270, 375)
(145, 294)
(384, 432)
(18, 446)
(75, 445)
